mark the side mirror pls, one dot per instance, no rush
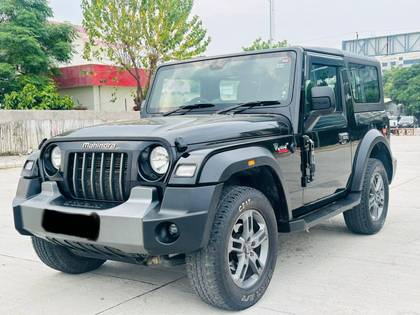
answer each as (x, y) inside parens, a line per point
(323, 98)
(323, 103)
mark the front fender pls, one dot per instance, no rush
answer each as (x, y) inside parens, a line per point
(364, 150)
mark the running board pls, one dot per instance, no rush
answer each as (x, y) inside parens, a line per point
(317, 216)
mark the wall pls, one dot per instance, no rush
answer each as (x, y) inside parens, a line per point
(113, 99)
(22, 131)
(102, 98)
(82, 96)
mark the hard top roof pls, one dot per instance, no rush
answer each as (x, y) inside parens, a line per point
(321, 50)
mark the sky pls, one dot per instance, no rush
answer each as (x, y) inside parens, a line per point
(233, 24)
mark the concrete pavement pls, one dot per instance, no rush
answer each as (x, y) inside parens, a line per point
(325, 271)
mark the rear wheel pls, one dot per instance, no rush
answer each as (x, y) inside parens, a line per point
(62, 259)
(236, 267)
(369, 217)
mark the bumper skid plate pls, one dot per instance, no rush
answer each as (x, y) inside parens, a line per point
(120, 227)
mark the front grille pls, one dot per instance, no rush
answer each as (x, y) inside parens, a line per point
(98, 176)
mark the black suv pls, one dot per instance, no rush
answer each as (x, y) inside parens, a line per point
(230, 150)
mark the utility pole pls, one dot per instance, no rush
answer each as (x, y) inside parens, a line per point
(272, 19)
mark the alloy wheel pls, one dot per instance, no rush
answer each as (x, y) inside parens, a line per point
(376, 196)
(248, 248)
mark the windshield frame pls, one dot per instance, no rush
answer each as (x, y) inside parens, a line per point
(147, 110)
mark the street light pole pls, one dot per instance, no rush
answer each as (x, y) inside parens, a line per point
(272, 19)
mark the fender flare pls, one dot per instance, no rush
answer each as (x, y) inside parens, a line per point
(221, 166)
(364, 150)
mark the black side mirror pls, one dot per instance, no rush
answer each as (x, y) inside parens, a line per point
(323, 103)
(323, 98)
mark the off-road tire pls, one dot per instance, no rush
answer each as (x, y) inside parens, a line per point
(208, 269)
(62, 259)
(359, 219)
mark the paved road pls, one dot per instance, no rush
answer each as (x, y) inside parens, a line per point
(325, 271)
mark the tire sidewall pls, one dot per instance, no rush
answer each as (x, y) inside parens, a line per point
(243, 298)
(376, 225)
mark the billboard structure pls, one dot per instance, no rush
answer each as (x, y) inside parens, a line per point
(400, 50)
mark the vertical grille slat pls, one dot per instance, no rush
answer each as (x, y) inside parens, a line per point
(74, 175)
(83, 176)
(101, 176)
(121, 177)
(92, 177)
(111, 173)
(98, 176)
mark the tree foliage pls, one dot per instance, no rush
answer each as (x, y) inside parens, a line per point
(402, 85)
(30, 46)
(260, 44)
(31, 97)
(138, 34)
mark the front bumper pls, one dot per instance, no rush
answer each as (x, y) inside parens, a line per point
(129, 228)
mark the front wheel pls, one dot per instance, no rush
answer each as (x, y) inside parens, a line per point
(236, 267)
(61, 259)
(369, 217)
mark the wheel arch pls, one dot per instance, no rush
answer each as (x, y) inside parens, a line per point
(264, 174)
(373, 145)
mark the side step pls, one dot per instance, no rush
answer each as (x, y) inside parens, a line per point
(315, 217)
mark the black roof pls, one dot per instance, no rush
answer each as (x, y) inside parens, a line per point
(320, 50)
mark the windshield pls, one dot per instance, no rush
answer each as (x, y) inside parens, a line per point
(224, 82)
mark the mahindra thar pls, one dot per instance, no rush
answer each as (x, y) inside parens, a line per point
(228, 152)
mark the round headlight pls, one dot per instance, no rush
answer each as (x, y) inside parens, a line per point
(56, 157)
(159, 160)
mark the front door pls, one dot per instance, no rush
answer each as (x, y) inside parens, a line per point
(330, 135)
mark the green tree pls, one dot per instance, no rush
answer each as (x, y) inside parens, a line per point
(402, 85)
(30, 46)
(260, 44)
(137, 34)
(31, 97)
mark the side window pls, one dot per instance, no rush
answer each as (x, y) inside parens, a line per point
(322, 75)
(364, 82)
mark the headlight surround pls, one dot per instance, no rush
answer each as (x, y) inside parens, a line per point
(52, 160)
(154, 162)
(159, 160)
(55, 157)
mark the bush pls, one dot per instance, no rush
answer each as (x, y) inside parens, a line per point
(32, 98)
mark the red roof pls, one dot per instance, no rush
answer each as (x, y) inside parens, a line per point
(97, 75)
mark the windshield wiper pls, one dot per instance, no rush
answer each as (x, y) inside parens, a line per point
(189, 107)
(247, 105)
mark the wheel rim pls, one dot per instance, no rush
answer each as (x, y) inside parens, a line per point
(376, 196)
(248, 248)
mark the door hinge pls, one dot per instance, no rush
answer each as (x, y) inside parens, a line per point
(308, 160)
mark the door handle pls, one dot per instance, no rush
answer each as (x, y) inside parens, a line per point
(343, 137)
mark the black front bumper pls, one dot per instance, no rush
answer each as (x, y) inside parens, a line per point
(129, 228)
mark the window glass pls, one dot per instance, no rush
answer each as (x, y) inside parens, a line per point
(321, 75)
(178, 91)
(229, 90)
(364, 81)
(224, 81)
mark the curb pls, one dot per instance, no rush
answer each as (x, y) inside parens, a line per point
(15, 163)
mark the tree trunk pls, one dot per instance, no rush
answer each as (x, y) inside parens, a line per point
(138, 99)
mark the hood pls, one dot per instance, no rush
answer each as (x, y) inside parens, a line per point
(193, 129)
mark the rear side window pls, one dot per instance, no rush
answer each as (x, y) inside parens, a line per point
(364, 83)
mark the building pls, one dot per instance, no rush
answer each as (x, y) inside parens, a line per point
(400, 50)
(96, 84)
(99, 87)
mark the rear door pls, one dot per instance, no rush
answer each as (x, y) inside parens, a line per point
(330, 135)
